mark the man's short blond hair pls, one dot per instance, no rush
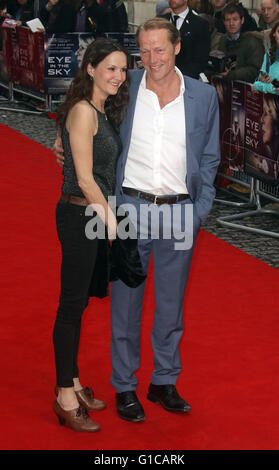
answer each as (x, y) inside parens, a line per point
(160, 23)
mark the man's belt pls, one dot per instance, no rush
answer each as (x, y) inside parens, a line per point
(158, 200)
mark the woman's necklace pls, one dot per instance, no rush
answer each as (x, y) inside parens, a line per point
(102, 112)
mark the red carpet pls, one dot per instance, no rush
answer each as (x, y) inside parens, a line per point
(229, 350)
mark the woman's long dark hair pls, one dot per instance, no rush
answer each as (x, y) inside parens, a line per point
(82, 84)
(273, 43)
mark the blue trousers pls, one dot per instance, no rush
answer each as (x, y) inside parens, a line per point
(171, 268)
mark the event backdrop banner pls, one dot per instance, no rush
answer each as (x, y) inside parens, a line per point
(224, 94)
(249, 130)
(128, 40)
(63, 55)
(11, 50)
(238, 126)
(262, 136)
(24, 54)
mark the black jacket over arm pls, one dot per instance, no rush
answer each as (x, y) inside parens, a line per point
(195, 45)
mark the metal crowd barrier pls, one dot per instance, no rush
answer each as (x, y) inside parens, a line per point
(45, 99)
(255, 193)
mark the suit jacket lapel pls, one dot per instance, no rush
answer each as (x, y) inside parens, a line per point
(189, 103)
(189, 106)
(186, 23)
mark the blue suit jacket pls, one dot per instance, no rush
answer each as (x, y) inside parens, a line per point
(202, 140)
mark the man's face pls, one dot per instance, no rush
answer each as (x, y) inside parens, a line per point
(178, 5)
(218, 4)
(157, 54)
(269, 10)
(233, 23)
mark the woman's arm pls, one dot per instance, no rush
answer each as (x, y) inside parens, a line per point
(264, 87)
(82, 125)
(263, 83)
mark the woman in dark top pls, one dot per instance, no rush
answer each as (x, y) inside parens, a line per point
(88, 120)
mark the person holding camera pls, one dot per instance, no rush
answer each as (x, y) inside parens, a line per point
(243, 51)
(268, 79)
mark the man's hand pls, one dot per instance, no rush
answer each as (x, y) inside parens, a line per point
(224, 74)
(58, 151)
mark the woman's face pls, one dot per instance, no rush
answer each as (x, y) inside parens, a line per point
(109, 74)
(276, 36)
(268, 118)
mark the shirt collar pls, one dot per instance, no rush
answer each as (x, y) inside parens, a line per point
(183, 14)
(182, 84)
(236, 37)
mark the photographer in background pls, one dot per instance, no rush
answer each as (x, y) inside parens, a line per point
(244, 52)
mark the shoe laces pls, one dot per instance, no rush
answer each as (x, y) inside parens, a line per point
(82, 412)
(89, 392)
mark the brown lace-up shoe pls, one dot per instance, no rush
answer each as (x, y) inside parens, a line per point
(78, 418)
(86, 399)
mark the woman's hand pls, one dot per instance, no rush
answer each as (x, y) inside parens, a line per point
(58, 151)
(225, 73)
(112, 229)
(264, 77)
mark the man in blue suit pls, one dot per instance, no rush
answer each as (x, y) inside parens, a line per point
(166, 170)
(170, 157)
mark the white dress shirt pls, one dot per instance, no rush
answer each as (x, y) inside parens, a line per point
(156, 161)
(181, 18)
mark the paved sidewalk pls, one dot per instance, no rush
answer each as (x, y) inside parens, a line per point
(42, 129)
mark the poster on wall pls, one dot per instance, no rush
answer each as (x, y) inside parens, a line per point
(262, 136)
(24, 55)
(30, 74)
(39, 60)
(63, 56)
(224, 94)
(10, 50)
(237, 130)
(128, 40)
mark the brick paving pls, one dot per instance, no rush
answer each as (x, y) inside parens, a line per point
(42, 129)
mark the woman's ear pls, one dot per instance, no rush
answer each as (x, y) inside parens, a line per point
(90, 71)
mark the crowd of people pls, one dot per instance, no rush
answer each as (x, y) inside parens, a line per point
(67, 16)
(222, 38)
(217, 36)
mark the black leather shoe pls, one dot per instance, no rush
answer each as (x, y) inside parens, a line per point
(129, 407)
(168, 397)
